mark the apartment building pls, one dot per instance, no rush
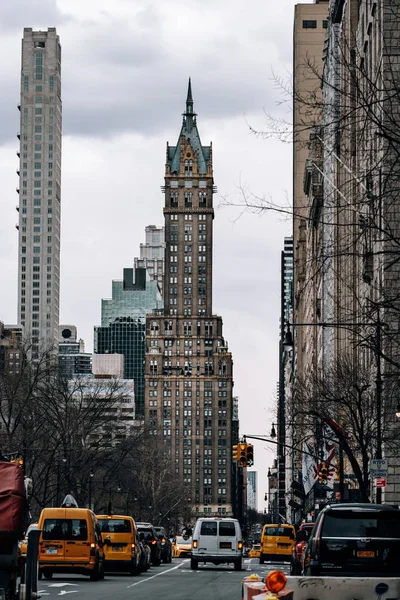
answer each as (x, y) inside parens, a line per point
(310, 28)
(188, 365)
(349, 238)
(39, 189)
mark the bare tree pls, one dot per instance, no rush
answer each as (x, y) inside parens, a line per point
(344, 399)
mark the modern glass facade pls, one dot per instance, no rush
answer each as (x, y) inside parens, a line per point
(126, 336)
(130, 301)
(122, 328)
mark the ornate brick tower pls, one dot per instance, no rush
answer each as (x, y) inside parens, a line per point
(188, 390)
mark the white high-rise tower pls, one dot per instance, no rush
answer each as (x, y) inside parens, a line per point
(40, 188)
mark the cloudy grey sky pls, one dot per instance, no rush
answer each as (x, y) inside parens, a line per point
(125, 67)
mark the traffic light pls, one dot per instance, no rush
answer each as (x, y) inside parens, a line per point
(323, 474)
(250, 455)
(243, 455)
(235, 452)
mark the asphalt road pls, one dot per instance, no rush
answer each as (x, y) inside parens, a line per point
(175, 581)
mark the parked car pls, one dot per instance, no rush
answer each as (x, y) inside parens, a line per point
(149, 536)
(302, 536)
(357, 540)
(166, 546)
(181, 546)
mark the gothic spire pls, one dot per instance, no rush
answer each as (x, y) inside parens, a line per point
(189, 117)
(189, 99)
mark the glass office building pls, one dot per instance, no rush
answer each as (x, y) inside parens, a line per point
(122, 329)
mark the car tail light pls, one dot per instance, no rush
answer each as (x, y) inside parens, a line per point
(195, 543)
(240, 545)
(133, 545)
(92, 549)
(163, 540)
(154, 542)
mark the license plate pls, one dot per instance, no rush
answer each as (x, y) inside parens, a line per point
(366, 553)
(225, 545)
(284, 545)
(117, 548)
(51, 550)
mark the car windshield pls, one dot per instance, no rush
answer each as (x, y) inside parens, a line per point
(115, 525)
(284, 531)
(183, 540)
(366, 524)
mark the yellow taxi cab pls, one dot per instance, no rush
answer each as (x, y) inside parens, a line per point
(181, 546)
(121, 543)
(277, 541)
(255, 551)
(23, 544)
(70, 542)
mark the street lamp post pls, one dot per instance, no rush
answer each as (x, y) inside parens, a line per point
(288, 344)
(91, 475)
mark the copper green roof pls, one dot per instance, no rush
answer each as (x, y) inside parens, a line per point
(190, 131)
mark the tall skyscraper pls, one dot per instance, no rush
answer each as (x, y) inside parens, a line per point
(40, 188)
(188, 366)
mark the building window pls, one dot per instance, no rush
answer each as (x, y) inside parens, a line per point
(309, 24)
(38, 65)
(325, 24)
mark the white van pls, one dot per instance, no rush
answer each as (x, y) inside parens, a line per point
(217, 540)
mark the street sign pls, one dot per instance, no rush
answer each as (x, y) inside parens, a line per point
(378, 467)
(381, 482)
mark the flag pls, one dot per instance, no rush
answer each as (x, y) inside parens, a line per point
(309, 467)
(328, 452)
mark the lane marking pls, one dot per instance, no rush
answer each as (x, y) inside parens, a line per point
(158, 574)
(62, 584)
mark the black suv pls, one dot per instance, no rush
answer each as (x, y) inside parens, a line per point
(149, 536)
(166, 546)
(358, 540)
